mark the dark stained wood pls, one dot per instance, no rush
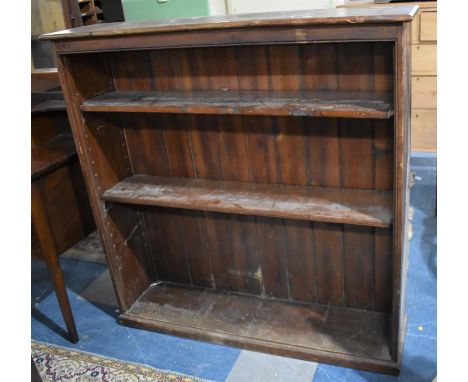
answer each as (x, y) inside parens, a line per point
(272, 19)
(301, 265)
(54, 153)
(268, 324)
(209, 168)
(49, 253)
(370, 208)
(318, 104)
(328, 249)
(61, 215)
(358, 265)
(401, 188)
(50, 105)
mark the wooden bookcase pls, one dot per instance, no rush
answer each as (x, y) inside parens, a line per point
(248, 175)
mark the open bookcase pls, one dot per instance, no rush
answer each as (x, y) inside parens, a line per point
(248, 175)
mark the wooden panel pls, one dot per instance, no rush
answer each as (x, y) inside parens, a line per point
(319, 67)
(268, 325)
(423, 130)
(424, 92)
(364, 207)
(324, 152)
(383, 155)
(196, 248)
(165, 233)
(321, 104)
(261, 142)
(52, 154)
(424, 60)
(359, 266)
(131, 71)
(357, 163)
(219, 240)
(383, 270)
(428, 26)
(301, 261)
(271, 238)
(146, 144)
(245, 254)
(295, 18)
(330, 263)
(58, 195)
(291, 150)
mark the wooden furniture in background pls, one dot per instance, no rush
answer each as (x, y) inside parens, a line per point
(423, 72)
(424, 79)
(61, 214)
(249, 176)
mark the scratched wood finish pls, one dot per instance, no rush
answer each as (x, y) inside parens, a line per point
(253, 167)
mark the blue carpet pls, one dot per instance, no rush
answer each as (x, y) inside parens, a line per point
(99, 332)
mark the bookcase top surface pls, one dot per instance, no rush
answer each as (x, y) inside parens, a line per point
(396, 14)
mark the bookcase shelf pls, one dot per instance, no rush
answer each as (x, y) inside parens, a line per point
(296, 103)
(361, 207)
(267, 325)
(249, 176)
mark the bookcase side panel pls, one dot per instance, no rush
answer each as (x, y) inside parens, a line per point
(102, 153)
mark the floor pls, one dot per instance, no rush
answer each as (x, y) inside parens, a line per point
(94, 306)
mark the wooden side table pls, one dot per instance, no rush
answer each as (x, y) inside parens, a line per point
(61, 214)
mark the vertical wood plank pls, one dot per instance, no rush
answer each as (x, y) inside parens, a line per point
(164, 230)
(252, 67)
(359, 266)
(383, 154)
(131, 71)
(357, 163)
(320, 67)
(165, 69)
(146, 143)
(301, 261)
(218, 231)
(291, 151)
(324, 153)
(245, 254)
(273, 256)
(261, 143)
(328, 240)
(383, 270)
(285, 67)
(383, 66)
(233, 148)
(355, 66)
(198, 255)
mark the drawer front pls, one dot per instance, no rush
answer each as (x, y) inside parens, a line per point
(424, 59)
(428, 27)
(423, 130)
(424, 92)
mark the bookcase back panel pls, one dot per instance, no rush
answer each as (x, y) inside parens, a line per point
(274, 258)
(357, 66)
(328, 152)
(327, 66)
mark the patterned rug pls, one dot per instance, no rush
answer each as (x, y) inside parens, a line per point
(56, 363)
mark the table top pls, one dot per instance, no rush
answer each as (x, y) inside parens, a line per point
(272, 19)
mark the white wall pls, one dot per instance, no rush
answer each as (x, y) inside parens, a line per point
(251, 6)
(217, 7)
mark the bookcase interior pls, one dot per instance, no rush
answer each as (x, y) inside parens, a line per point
(199, 156)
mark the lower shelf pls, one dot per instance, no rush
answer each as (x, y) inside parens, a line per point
(343, 336)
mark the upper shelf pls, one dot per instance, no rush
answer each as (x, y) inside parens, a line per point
(276, 103)
(404, 13)
(332, 205)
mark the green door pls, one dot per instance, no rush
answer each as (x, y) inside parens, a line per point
(163, 9)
